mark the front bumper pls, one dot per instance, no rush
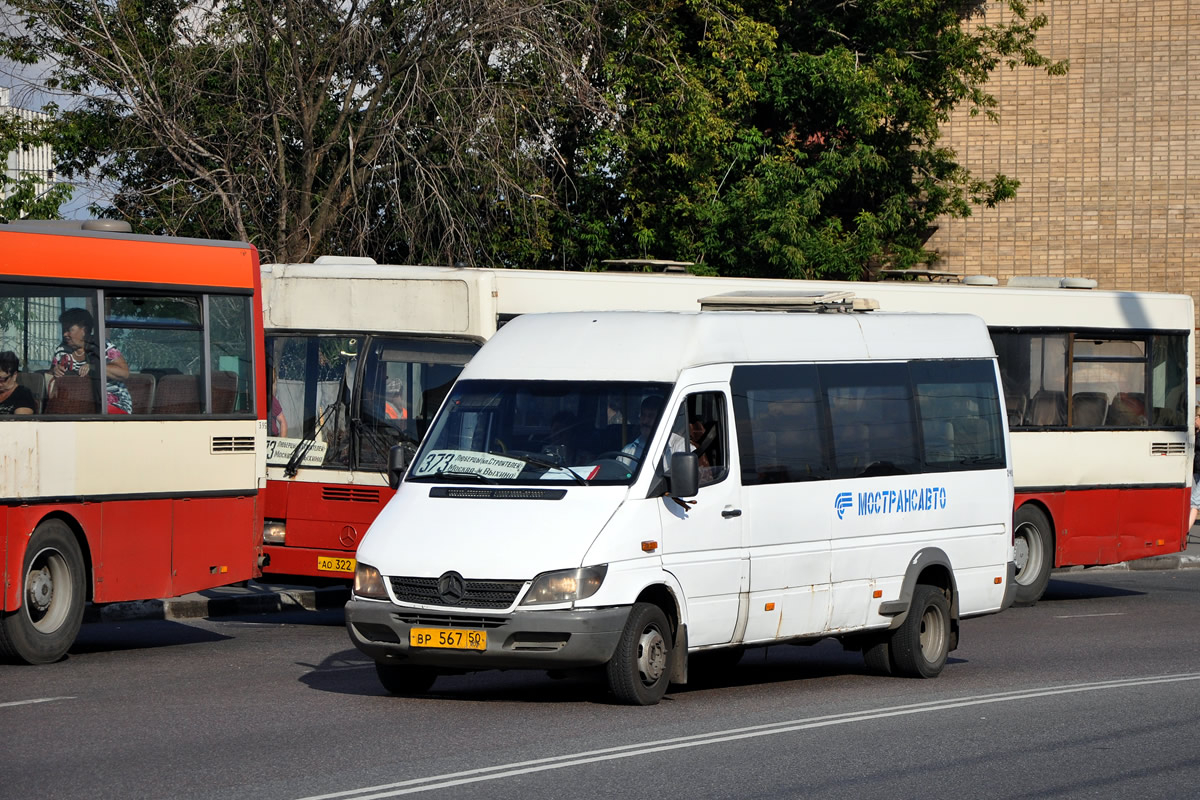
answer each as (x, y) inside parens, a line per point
(520, 639)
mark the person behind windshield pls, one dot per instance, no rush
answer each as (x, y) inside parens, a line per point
(14, 398)
(632, 453)
(79, 355)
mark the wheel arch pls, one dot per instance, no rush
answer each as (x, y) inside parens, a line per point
(13, 597)
(930, 565)
(1048, 512)
(85, 549)
(664, 597)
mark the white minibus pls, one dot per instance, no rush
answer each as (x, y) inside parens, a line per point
(628, 489)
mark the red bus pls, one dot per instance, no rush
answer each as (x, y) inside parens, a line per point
(134, 435)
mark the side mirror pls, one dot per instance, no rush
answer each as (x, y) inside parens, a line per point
(685, 474)
(398, 458)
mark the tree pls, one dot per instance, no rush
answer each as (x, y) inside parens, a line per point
(788, 139)
(404, 130)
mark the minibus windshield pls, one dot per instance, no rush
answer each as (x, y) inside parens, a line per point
(533, 432)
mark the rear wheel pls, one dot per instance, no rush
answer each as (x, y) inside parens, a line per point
(52, 598)
(640, 669)
(1033, 554)
(405, 680)
(920, 646)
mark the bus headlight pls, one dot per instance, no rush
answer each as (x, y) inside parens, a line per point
(369, 583)
(565, 586)
(274, 531)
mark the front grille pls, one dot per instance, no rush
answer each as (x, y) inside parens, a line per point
(350, 494)
(424, 618)
(478, 593)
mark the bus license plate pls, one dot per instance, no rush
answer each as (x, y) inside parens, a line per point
(331, 564)
(447, 639)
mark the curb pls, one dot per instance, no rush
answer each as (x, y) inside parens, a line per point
(1178, 561)
(224, 602)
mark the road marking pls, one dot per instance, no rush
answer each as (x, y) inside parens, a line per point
(448, 780)
(35, 700)
(1082, 616)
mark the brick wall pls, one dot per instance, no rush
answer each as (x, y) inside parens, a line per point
(1108, 155)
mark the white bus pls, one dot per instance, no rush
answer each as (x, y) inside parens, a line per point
(628, 488)
(1098, 387)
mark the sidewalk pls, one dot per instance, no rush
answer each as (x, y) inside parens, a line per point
(269, 598)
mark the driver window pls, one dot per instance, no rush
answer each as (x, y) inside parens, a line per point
(701, 422)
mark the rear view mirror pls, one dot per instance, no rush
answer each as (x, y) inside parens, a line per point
(685, 474)
(398, 458)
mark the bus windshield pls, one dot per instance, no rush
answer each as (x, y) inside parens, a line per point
(526, 432)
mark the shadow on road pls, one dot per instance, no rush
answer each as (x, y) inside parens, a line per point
(1078, 590)
(111, 637)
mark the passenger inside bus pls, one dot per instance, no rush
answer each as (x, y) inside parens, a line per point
(78, 355)
(14, 398)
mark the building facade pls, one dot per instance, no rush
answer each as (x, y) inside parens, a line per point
(36, 160)
(1108, 155)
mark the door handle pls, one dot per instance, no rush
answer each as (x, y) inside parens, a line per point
(729, 513)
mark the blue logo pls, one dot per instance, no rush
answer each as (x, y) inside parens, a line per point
(843, 501)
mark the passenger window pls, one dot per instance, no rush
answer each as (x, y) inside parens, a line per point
(779, 423)
(960, 414)
(871, 413)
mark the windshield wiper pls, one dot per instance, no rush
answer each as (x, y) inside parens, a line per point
(450, 473)
(545, 464)
(306, 444)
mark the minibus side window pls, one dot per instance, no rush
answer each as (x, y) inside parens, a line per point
(872, 417)
(780, 423)
(960, 414)
(701, 423)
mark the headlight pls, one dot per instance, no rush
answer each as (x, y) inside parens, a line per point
(369, 583)
(274, 531)
(565, 586)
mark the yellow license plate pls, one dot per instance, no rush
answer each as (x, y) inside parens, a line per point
(332, 564)
(447, 638)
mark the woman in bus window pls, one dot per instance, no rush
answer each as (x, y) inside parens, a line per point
(78, 353)
(14, 398)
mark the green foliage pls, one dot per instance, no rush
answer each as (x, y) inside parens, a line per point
(27, 196)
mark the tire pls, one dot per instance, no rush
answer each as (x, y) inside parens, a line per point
(877, 654)
(1033, 545)
(920, 646)
(404, 680)
(53, 593)
(640, 669)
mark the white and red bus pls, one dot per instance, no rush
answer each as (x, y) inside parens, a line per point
(1098, 389)
(134, 431)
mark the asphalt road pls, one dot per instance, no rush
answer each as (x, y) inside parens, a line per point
(1094, 692)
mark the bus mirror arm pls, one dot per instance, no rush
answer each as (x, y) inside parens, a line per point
(398, 458)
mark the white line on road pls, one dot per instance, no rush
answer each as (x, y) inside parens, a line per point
(716, 737)
(1082, 616)
(35, 700)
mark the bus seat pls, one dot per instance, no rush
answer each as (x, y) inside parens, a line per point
(141, 389)
(1088, 409)
(73, 394)
(35, 382)
(224, 389)
(1128, 410)
(1015, 404)
(1048, 408)
(178, 394)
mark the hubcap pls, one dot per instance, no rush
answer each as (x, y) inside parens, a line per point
(48, 592)
(652, 655)
(1027, 553)
(933, 633)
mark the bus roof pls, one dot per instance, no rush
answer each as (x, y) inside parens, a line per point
(56, 252)
(656, 346)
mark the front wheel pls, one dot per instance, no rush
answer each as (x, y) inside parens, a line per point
(1033, 554)
(920, 646)
(52, 597)
(640, 669)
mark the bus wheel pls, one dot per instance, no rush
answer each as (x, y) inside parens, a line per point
(405, 680)
(640, 669)
(920, 645)
(52, 596)
(1033, 552)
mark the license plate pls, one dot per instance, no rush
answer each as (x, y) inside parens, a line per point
(333, 564)
(447, 638)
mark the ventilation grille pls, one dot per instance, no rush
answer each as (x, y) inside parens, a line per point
(498, 494)
(232, 444)
(1168, 448)
(350, 494)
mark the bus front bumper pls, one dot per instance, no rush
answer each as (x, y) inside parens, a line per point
(557, 639)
